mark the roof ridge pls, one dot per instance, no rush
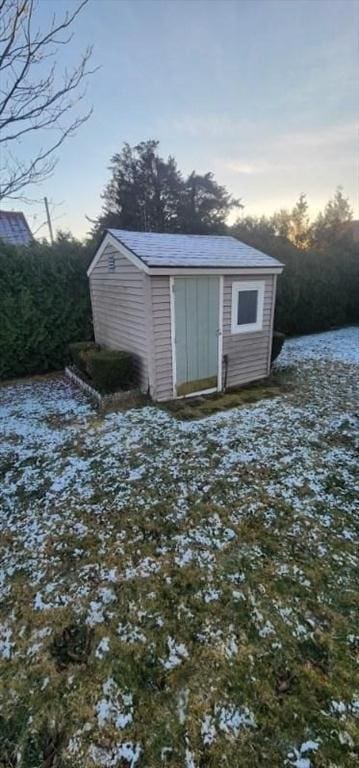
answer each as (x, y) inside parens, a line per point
(167, 234)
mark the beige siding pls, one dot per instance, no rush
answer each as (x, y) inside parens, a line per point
(133, 311)
(248, 353)
(161, 330)
(119, 309)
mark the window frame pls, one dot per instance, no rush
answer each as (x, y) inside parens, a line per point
(237, 287)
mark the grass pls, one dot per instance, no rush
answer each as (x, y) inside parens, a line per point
(206, 405)
(180, 593)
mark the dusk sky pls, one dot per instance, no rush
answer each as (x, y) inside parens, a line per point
(263, 93)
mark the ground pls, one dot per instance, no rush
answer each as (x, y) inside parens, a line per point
(182, 593)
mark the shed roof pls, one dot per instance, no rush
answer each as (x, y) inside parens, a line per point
(14, 228)
(202, 251)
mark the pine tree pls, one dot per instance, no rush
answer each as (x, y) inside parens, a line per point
(148, 193)
(300, 226)
(329, 225)
(205, 205)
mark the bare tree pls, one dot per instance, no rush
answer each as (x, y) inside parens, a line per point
(34, 97)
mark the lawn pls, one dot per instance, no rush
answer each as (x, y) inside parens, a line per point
(182, 593)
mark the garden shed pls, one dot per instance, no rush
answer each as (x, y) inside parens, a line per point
(196, 311)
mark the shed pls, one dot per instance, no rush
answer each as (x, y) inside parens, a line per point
(196, 311)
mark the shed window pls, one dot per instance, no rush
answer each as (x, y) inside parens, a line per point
(247, 306)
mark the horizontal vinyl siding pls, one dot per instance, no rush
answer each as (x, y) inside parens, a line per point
(161, 330)
(248, 353)
(118, 309)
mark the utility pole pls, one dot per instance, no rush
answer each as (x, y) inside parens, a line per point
(49, 221)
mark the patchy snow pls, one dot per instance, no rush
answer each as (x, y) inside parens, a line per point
(110, 757)
(103, 647)
(208, 730)
(231, 719)
(177, 653)
(5, 642)
(298, 757)
(341, 345)
(190, 553)
(115, 706)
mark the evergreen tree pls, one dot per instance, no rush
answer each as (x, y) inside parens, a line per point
(205, 205)
(253, 229)
(148, 193)
(329, 225)
(300, 226)
(143, 193)
(281, 222)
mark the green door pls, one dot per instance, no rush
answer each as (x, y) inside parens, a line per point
(196, 303)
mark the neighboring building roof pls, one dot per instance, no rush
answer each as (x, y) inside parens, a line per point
(14, 228)
(202, 251)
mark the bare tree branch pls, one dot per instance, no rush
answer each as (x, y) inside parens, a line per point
(32, 99)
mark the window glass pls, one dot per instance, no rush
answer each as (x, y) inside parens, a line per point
(247, 307)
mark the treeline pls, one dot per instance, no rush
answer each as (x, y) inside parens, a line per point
(319, 287)
(44, 295)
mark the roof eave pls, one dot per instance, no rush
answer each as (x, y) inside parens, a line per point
(194, 270)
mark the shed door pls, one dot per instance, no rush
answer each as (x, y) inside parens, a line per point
(196, 321)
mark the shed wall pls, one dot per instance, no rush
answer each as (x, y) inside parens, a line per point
(119, 309)
(248, 353)
(161, 338)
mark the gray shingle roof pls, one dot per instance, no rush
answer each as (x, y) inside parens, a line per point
(164, 250)
(14, 228)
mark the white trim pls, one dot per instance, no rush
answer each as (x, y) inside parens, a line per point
(220, 334)
(198, 393)
(122, 250)
(173, 337)
(274, 290)
(150, 345)
(238, 287)
(215, 271)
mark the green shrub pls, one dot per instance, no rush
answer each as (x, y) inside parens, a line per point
(80, 351)
(45, 305)
(110, 370)
(277, 344)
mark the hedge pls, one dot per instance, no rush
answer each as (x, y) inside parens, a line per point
(45, 304)
(318, 289)
(108, 370)
(79, 353)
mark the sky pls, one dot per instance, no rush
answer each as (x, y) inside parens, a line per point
(262, 93)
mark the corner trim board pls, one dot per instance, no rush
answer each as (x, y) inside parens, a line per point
(173, 336)
(220, 334)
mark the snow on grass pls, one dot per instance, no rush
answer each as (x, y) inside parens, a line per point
(182, 593)
(341, 345)
(177, 652)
